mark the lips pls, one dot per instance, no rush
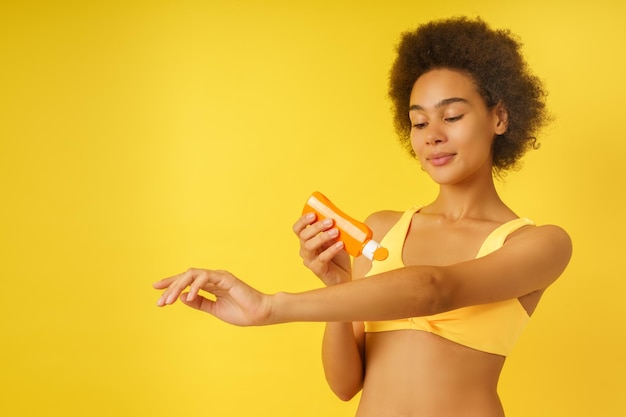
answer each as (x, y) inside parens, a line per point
(440, 158)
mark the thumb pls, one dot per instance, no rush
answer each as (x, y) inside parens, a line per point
(198, 302)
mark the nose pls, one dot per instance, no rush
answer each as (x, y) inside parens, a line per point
(434, 134)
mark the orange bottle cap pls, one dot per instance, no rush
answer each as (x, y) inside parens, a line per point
(381, 254)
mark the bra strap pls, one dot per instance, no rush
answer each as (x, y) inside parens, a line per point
(395, 237)
(496, 239)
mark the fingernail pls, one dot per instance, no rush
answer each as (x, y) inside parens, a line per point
(327, 222)
(333, 232)
(310, 216)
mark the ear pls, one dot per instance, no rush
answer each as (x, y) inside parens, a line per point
(501, 119)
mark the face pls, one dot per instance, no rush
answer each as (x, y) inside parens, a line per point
(452, 128)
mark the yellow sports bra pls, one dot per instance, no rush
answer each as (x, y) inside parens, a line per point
(492, 328)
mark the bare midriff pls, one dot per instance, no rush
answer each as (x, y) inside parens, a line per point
(418, 374)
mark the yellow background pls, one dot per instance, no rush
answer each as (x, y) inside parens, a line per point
(139, 139)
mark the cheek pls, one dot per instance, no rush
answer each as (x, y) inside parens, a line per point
(417, 141)
(476, 137)
(417, 144)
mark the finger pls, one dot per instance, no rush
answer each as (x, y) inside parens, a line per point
(305, 220)
(200, 282)
(330, 253)
(199, 303)
(312, 247)
(315, 229)
(164, 283)
(178, 284)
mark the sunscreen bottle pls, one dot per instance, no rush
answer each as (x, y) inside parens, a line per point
(356, 236)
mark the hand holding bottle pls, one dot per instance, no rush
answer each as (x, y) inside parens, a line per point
(321, 244)
(320, 250)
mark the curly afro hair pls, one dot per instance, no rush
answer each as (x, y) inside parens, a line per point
(493, 59)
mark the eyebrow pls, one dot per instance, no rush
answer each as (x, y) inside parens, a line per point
(442, 103)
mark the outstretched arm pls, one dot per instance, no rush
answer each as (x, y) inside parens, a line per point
(529, 262)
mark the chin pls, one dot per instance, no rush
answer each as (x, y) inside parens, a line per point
(442, 178)
(450, 176)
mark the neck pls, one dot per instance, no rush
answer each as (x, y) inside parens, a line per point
(478, 200)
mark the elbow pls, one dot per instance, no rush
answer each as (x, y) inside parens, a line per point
(345, 389)
(433, 294)
(346, 394)
(345, 398)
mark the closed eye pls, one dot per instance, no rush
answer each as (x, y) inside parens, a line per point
(454, 118)
(419, 125)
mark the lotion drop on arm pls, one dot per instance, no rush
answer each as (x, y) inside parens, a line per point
(356, 236)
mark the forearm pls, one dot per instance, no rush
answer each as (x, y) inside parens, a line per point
(405, 292)
(342, 358)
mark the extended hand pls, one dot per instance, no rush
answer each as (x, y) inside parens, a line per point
(235, 302)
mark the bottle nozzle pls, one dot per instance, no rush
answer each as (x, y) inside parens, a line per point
(373, 251)
(380, 254)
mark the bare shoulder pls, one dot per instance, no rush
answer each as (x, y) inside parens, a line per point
(548, 236)
(548, 244)
(381, 221)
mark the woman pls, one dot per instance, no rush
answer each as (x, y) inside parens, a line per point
(427, 333)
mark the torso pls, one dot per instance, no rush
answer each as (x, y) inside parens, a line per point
(416, 373)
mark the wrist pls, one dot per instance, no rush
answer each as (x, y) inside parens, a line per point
(335, 281)
(276, 304)
(287, 307)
